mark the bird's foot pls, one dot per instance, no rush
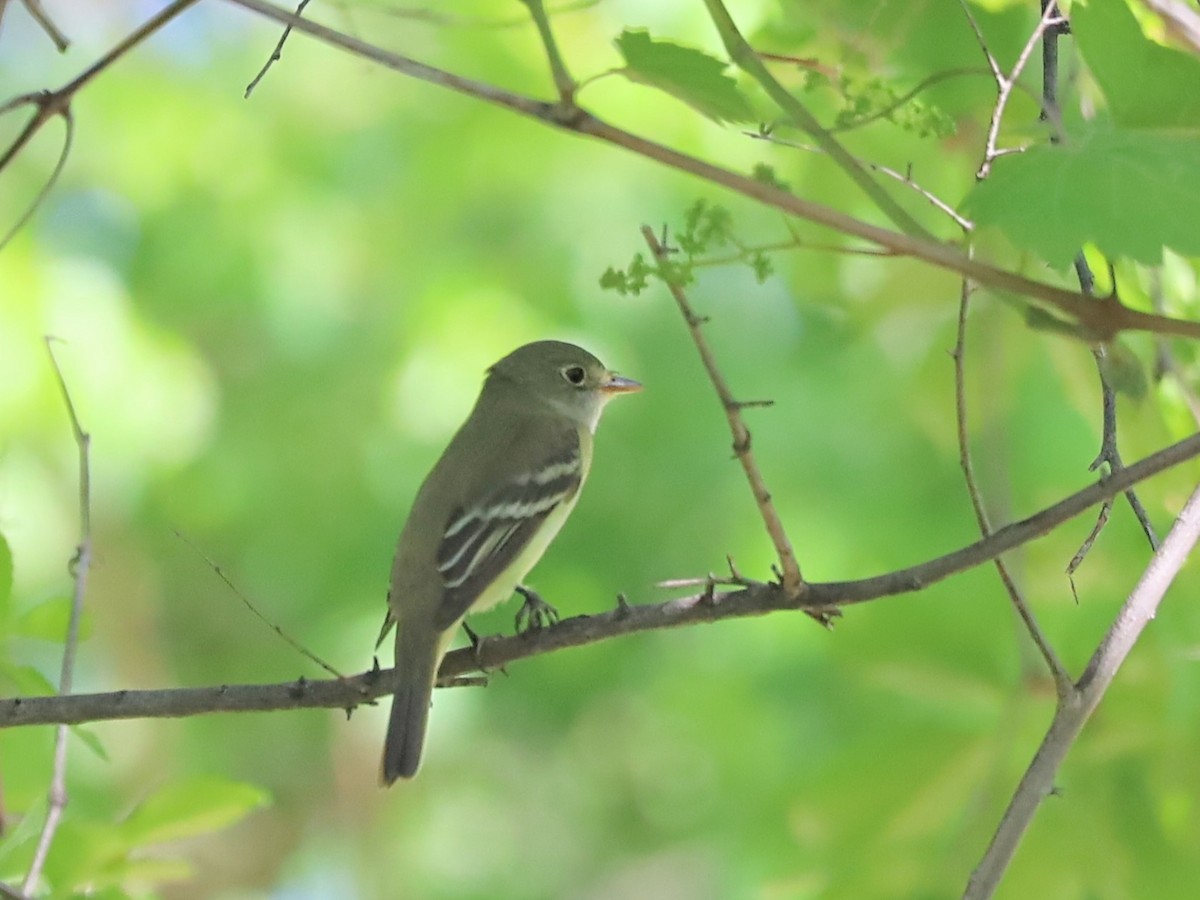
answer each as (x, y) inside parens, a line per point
(535, 613)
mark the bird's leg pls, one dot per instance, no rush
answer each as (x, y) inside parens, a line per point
(472, 636)
(535, 613)
(477, 649)
(476, 644)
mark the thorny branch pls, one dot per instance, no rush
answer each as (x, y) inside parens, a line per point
(791, 579)
(708, 606)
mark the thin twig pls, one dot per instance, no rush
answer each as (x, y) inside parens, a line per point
(905, 178)
(1086, 547)
(793, 583)
(1070, 717)
(1050, 67)
(38, 14)
(1101, 321)
(48, 186)
(1062, 681)
(276, 54)
(292, 642)
(1005, 83)
(563, 81)
(1109, 455)
(80, 567)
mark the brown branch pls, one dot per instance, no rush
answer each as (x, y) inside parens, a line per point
(1100, 321)
(493, 653)
(792, 581)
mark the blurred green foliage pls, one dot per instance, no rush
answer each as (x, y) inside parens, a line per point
(276, 311)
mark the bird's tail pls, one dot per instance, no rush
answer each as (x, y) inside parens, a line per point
(416, 673)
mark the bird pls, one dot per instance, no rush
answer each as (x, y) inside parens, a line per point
(485, 514)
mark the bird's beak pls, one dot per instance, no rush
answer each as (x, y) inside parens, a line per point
(618, 384)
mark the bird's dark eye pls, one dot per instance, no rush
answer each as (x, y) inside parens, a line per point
(574, 374)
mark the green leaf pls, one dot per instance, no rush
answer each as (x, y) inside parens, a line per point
(1146, 85)
(705, 225)
(696, 78)
(48, 621)
(1129, 192)
(627, 281)
(190, 808)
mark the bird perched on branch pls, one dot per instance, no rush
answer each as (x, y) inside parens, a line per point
(485, 514)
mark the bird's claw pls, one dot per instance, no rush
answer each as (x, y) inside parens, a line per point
(535, 613)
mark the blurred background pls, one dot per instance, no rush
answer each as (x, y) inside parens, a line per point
(273, 314)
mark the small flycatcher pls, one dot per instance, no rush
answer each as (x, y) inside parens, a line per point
(483, 517)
